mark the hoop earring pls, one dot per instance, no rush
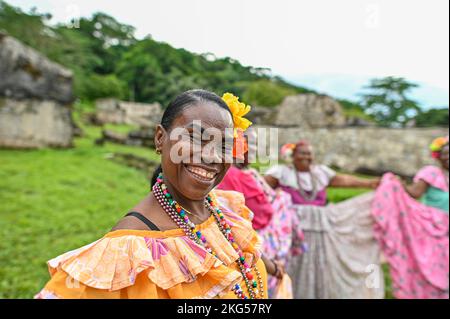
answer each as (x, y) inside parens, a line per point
(158, 151)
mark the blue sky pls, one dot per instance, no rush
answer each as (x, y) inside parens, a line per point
(348, 86)
(334, 47)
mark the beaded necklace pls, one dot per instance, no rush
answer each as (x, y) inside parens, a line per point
(180, 217)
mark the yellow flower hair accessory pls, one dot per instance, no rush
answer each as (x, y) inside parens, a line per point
(238, 109)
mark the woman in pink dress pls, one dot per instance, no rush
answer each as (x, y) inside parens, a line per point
(412, 227)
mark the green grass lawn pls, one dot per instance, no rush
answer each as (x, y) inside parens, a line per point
(53, 201)
(56, 200)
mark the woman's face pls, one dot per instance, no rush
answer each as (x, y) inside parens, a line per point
(188, 169)
(303, 158)
(444, 157)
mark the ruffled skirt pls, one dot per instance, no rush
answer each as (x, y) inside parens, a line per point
(343, 257)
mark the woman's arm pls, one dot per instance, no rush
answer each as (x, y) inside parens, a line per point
(272, 181)
(273, 267)
(417, 189)
(343, 180)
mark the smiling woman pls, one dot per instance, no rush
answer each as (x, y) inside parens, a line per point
(184, 239)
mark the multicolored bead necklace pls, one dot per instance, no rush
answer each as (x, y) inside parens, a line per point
(180, 216)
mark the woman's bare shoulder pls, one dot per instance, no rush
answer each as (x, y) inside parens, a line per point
(150, 209)
(144, 207)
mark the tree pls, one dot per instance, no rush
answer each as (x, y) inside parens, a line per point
(388, 103)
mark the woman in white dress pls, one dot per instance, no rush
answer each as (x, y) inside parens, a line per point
(342, 251)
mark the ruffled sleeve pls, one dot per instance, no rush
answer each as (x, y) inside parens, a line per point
(234, 202)
(277, 171)
(433, 176)
(328, 172)
(134, 266)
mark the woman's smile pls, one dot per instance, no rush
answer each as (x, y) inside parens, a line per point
(202, 174)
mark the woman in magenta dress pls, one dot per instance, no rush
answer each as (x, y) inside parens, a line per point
(274, 217)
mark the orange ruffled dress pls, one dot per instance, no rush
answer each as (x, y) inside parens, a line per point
(160, 264)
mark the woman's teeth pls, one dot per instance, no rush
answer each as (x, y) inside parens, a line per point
(201, 173)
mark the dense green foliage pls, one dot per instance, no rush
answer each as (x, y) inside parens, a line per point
(269, 92)
(108, 60)
(432, 117)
